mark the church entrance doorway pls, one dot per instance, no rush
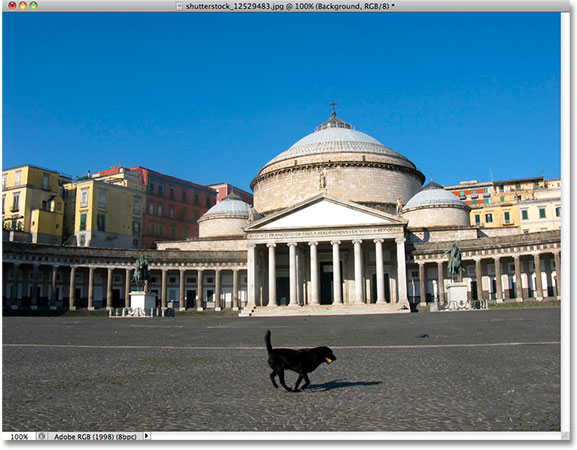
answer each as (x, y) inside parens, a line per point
(327, 288)
(374, 289)
(282, 290)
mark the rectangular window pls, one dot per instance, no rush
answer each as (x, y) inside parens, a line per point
(161, 230)
(518, 186)
(208, 201)
(152, 229)
(507, 217)
(183, 213)
(502, 199)
(4, 179)
(160, 210)
(45, 181)
(151, 208)
(101, 198)
(3, 203)
(477, 219)
(135, 228)
(161, 189)
(84, 197)
(183, 195)
(171, 192)
(171, 211)
(173, 231)
(16, 201)
(136, 207)
(151, 187)
(489, 218)
(542, 214)
(185, 232)
(474, 202)
(82, 221)
(196, 199)
(101, 222)
(502, 188)
(525, 214)
(18, 178)
(558, 211)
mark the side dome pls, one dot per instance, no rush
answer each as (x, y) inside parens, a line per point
(341, 162)
(226, 218)
(434, 206)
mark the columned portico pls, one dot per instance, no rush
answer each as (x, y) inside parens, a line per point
(441, 282)
(91, 288)
(199, 293)
(380, 270)
(498, 281)
(538, 277)
(314, 273)
(358, 299)
(337, 298)
(402, 271)
(271, 274)
(72, 295)
(292, 274)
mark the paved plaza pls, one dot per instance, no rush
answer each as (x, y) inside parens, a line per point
(496, 370)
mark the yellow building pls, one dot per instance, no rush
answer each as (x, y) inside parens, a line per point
(32, 204)
(105, 211)
(542, 212)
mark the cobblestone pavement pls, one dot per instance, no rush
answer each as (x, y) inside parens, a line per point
(476, 371)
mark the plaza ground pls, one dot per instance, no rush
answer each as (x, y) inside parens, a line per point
(496, 370)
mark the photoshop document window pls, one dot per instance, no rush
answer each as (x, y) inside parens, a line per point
(285, 220)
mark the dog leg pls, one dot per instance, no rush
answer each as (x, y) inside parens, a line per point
(272, 375)
(299, 379)
(307, 381)
(281, 379)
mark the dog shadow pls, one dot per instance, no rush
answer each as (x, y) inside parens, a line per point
(338, 384)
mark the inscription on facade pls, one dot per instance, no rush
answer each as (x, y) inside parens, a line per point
(388, 231)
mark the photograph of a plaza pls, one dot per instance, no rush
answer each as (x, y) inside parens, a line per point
(176, 185)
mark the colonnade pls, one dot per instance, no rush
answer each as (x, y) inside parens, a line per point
(358, 296)
(14, 300)
(552, 256)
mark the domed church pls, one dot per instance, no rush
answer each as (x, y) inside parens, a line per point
(342, 222)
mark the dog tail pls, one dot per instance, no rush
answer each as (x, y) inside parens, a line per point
(267, 340)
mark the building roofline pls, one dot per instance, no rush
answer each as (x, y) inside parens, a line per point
(64, 175)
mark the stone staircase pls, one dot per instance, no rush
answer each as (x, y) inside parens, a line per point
(323, 310)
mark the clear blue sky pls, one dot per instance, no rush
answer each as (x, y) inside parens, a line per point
(213, 97)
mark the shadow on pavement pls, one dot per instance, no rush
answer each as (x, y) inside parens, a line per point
(337, 384)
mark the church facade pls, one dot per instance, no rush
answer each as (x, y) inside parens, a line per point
(340, 224)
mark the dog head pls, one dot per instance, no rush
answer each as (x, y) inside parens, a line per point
(327, 354)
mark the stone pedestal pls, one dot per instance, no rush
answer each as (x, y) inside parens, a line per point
(457, 296)
(143, 300)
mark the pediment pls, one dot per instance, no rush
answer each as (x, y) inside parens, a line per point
(323, 211)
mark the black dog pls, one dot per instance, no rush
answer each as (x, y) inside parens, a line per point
(301, 361)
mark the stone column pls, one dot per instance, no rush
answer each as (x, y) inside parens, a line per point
(251, 276)
(518, 281)
(163, 288)
(358, 272)
(54, 291)
(14, 290)
(498, 282)
(72, 295)
(292, 273)
(538, 278)
(235, 305)
(109, 289)
(271, 274)
(314, 273)
(380, 271)
(127, 288)
(91, 289)
(479, 277)
(337, 297)
(217, 306)
(181, 297)
(402, 272)
(441, 282)
(558, 273)
(34, 290)
(422, 283)
(199, 289)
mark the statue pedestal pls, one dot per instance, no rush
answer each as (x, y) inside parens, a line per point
(143, 300)
(457, 296)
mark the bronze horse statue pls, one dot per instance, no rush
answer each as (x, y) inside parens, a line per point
(141, 274)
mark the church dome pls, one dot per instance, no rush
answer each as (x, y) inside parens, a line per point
(433, 194)
(338, 161)
(335, 136)
(226, 218)
(434, 206)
